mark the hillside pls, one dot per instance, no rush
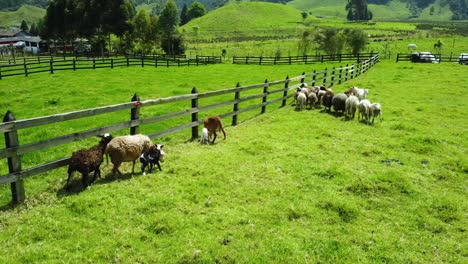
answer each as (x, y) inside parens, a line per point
(247, 18)
(439, 10)
(30, 14)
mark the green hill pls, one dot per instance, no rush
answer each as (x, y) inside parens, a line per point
(30, 14)
(439, 10)
(242, 19)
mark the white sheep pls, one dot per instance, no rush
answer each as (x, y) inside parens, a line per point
(375, 110)
(359, 92)
(363, 109)
(301, 101)
(204, 136)
(351, 106)
(127, 148)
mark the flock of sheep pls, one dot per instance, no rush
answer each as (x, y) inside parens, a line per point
(352, 100)
(132, 147)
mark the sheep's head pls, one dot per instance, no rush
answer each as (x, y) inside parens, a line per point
(105, 139)
(161, 152)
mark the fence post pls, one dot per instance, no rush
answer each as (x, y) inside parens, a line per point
(313, 77)
(135, 114)
(325, 76)
(74, 64)
(0, 72)
(332, 77)
(285, 92)
(51, 66)
(236, 105)
(25, 68)
(289, 60)
(142, 61)
(341, 71)
(397, 57)
(303, 78)
(358, 57)
(112, 63)
(14, 163)
(195, 114)
(260, 62)
(346, 74)
(128, 62)
(94, 63)
(156, 61)
(265, 94)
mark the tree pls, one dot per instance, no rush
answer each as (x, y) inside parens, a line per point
(196, 9)
(184, 15)
(356, 40)
(357, 10)
(167, 27)
(306, 42)
(304, 15)
(24, 26)
(332, 41)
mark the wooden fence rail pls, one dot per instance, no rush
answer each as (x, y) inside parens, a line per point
(306, 59)
(257, 96)
(28, 67)
(443, 58)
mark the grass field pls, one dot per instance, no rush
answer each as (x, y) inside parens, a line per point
(30, 14)
(284, 187)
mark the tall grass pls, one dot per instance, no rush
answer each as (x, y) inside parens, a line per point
(284, 187)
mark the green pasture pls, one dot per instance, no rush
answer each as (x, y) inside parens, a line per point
(284, 187)
(30, 14)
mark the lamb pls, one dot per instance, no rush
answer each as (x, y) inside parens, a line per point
(88, 160)
(375, 110)
(204, 137)
(351, 106)
(151, 157)
(128, 148)
(301, 101)
(213, 124)
(363, 109)
(312, 99)
(339, 102)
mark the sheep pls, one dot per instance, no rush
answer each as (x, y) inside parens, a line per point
(359, 92)
(127, 148)
(151, 157)
(213, 124)
(88, 160)
(312, 99)
(204, 137)
(363, 109)
(327, 99)
(301, 101)
(351, 106)
(339, 102)
(375, 110)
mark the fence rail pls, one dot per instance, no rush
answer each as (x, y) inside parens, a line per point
(443, 58)
(256, 96)
(52, 64)
(306, 59)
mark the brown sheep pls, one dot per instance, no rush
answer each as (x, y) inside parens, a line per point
(213, 124)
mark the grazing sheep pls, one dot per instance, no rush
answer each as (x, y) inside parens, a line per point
(151, 157)
(204, 136)
(320, 95)
(351, 106)
(88, 160)
(375, 110)
(327, 99)
(127, 148)
(363, 109)
(339, 102)
(213, 124)
(301, 101)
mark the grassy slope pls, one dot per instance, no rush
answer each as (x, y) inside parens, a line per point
(284, 187)
(30, 14)
(395, 10)
(246, 18)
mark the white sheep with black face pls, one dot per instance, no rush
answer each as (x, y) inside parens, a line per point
(128, 148)
(152, 157)
(359, 92)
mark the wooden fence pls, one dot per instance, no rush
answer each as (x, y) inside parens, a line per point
(306, 59)
(252, 97)
(52, 64)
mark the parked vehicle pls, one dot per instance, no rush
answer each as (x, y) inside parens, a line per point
(424, 56)
(463, 59)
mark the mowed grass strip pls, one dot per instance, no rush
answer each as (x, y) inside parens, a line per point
(286, 187)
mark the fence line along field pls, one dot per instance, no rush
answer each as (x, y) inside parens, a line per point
(287, 186)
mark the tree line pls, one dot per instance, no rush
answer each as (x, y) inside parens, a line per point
(101, 21)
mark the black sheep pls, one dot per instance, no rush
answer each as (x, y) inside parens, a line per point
(151, 157)
(86, 161)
